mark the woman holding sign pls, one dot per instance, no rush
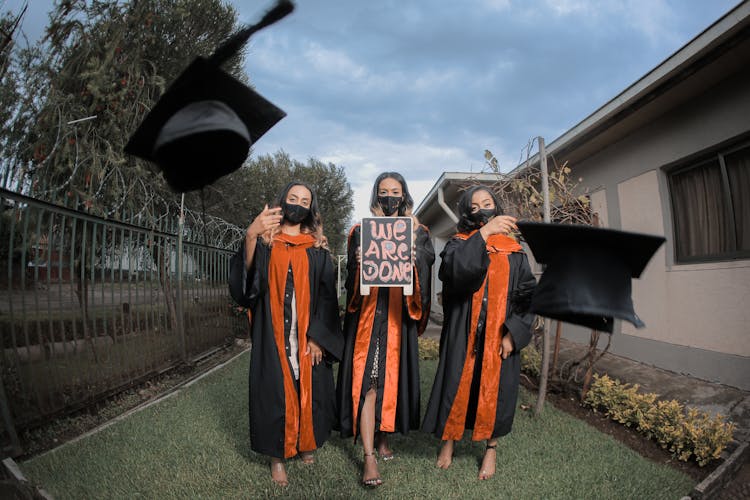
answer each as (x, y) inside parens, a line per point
(284, 273)
(378, 385)
(485, 276)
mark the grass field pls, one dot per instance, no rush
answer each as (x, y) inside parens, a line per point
(196, 445)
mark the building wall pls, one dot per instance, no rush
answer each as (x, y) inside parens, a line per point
(441, 231)
(697, 315)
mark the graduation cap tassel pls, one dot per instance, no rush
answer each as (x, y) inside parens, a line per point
(236, 41)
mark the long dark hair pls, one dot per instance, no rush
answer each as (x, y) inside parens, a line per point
(465, 224)
(406, 204)
(313, 223)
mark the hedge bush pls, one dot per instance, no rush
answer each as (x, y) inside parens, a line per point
(531, 360)
(685, 434)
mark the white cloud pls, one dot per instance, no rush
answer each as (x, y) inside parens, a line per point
(652, 18)
(335, 64)
(366, 157)
(362, 192)
(336, 68)
(498, 5)
(333, 116)
(566, 7)
(363, 156)
(433, 80)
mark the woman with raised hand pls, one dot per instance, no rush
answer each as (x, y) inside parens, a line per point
(484, 273)
(284, 274)
(378, 383)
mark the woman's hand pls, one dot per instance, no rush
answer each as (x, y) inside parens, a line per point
(501, 224)
(314, 351)
(269, 218)
(506, 346)
(358, 253)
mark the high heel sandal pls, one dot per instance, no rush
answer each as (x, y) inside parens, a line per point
(482, 473)
(389, 455)
(373, 482)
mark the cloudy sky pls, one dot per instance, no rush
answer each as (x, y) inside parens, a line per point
(425, 86)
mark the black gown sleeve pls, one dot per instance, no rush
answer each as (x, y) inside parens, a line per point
(325, 325)
(352, 267)
(424, 259)
(464, 265)
(518, 322)
(246, 285)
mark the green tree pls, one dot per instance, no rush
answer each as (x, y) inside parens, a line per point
(240, 196)
(110, 60)
(107, 62)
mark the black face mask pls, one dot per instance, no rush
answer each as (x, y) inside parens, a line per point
(294, 213)
(481, 217)
(389, 204)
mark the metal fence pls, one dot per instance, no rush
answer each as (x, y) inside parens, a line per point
(90, 306)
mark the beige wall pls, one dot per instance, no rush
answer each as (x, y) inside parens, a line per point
(699, 305)
(697, 315)
(640, 211)
(599, 206)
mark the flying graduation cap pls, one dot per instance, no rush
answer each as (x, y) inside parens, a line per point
(202, 127)
(587, 279)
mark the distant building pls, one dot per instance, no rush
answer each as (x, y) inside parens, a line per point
(669, 155)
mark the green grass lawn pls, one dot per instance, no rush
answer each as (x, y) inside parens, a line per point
(196, 445)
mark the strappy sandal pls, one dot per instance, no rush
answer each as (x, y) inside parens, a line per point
(373, 482)
(390, 455)
(482, 473)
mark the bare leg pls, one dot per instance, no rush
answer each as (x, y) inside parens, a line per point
(371, 474)
(278, 472)
(488, 462)
(445, 457)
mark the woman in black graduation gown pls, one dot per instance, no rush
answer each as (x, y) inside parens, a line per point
(378, 384)
(476, 383)
(284, 274)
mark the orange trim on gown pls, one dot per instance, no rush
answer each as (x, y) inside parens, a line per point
(286, 250)
(498, 273)
(367, 304)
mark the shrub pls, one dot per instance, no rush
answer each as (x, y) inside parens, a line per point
(428, 348)
(531, 360)
(685, 434)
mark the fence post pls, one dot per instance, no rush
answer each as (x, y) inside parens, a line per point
(180, 308)
(10, 428)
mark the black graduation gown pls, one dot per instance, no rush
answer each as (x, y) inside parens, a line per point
(465, 264)
(267, 397)
(405, 414)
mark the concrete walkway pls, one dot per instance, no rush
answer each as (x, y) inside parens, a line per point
(710, 397)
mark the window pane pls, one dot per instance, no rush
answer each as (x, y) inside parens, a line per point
(701, 225)
(738, 171)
